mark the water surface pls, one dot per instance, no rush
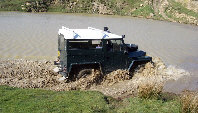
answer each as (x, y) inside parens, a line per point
(35, 35)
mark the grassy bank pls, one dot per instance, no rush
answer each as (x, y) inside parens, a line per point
(160, 10)
(11, 5)
(37, 100)
(14, 100)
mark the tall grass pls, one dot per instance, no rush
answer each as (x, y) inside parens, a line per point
(189, 102)
(149, 90)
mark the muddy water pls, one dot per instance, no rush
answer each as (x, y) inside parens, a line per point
(32, 35)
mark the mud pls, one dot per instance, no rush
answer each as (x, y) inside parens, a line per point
(118, 84)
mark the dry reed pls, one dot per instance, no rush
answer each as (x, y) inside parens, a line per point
(149, 88)
(189, 102)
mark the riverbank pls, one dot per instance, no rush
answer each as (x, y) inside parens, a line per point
(168, 10)
(38, 100)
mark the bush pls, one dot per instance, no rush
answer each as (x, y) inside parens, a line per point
(189, 102)
(150, 89)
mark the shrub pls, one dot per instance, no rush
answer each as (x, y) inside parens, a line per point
(150, 88)
(189, 102)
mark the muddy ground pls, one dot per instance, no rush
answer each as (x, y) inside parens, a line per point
(118, 84)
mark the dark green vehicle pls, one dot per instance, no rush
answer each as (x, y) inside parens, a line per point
(81, 50)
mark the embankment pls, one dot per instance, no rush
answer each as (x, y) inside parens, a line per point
(169, 10)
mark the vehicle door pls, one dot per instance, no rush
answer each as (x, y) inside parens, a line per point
(115, 57)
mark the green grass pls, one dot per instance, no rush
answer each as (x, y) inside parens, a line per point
(14, 100)
(18, 100)
(144, 11)
(57, 9)
(181, 9)
(138, 105)
(175, 6)
(11, 5)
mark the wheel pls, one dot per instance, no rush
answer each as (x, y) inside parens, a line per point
(83, 73)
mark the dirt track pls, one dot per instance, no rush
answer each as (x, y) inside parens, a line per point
(38, 74)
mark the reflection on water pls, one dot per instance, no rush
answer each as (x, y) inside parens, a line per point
(29, 34)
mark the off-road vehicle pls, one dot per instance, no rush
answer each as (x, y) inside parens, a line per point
(82, 50)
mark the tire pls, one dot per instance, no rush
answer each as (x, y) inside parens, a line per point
(83, 73)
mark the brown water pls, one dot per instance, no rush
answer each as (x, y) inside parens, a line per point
(32, 35)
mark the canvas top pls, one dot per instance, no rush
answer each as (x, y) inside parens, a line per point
(90, 33)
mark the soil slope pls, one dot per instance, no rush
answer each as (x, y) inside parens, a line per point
(182, 11)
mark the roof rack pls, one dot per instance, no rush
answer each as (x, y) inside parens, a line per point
(90, 33)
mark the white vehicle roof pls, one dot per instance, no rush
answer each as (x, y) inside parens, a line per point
(90, 33)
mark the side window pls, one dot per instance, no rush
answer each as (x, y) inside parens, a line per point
(96, 44)
(116, 45)
(85, 44)
(79, 44)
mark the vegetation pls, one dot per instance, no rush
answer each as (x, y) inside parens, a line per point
(19, 5)
(14, 100)
(38, 100)
(181, 9)
(171, 11)
(150, 90)
(144, 11)
(11, 5)
(179, 13)
(138, 105)
(189, 102)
